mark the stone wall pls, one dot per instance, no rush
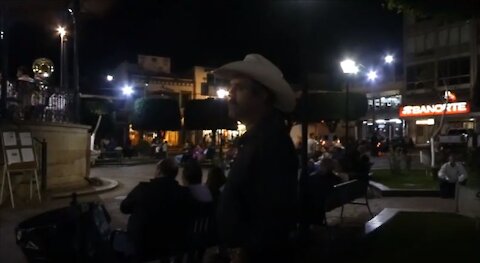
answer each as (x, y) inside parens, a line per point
(67, 152)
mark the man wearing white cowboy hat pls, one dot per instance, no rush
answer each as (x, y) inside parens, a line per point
(257, 209)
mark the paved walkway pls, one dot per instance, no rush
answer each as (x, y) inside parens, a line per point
(383, 162)
(129, 176)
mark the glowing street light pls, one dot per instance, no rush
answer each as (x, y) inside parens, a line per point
(61, 31)
(109, 78)
(127, 90)
(349, 66)
(222, 93)
(389, 59)
(372, 75)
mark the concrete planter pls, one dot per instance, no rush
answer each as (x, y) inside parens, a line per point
(468, 203)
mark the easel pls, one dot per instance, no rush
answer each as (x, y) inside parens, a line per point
(19, 157)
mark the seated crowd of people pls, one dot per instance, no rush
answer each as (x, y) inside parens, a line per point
(162, 210)
(346, 164)
(329, 167)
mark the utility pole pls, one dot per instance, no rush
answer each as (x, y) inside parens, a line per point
(74, 10)
(4, 62)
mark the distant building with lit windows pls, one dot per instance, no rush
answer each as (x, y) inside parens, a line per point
(382, 118)
(439, 56)
(151, 76)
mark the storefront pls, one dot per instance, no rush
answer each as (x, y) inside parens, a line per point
(383, 128)
(227, 135)
(423, 120)
(382, 118)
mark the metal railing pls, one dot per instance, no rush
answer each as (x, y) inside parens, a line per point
(36, 102)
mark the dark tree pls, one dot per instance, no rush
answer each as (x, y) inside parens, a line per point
(446, 8)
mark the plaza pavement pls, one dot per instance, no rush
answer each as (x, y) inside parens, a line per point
(129, 176)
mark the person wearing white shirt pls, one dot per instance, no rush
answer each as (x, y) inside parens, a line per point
(449, 175)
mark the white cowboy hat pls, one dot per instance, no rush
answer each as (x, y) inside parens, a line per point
(262, 70)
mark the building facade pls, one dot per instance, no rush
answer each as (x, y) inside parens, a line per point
(382, 118)
(151, 76)
(441, 61)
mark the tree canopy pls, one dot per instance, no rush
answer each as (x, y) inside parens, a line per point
(448, 8)
(156, 114)
(208, 114)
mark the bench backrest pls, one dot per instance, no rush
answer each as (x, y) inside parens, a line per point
(345, 193)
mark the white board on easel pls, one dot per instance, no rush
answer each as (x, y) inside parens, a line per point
(18, 150)
(19, 156)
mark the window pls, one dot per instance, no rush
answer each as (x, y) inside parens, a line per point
(454, 71)
(419, 44)
(453, 38)
(465, 34)
(411, 45)
(442, 37)
(429, 41)
(370, 103)
(420, 76)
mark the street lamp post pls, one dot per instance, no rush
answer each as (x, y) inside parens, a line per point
(3, 63)
(75, 8)
(62, 32)
(348, 67)
(372, 77)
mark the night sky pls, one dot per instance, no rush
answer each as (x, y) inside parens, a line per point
(299, 36)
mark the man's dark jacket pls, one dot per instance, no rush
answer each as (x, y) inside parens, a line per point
(159, 213)
(258, 204)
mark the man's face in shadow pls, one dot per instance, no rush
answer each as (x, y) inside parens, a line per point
(246, 98)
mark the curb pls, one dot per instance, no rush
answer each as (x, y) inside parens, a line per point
(396, 192)
(109, 184)
(124, 163)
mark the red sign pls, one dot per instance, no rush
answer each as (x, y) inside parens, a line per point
(434, 109)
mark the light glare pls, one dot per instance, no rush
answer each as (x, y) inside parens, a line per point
(372, 75)
(349, 66)
(389, 59)
(127, 90)
(222, 93)
(61, 31)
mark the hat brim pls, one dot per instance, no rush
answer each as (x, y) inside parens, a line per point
(284, 96)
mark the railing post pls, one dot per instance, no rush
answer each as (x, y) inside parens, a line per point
(44, 165)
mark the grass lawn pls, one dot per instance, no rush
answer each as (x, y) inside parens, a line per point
(413, 179)
(425, 237)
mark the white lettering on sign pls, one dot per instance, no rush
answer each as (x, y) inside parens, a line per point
(434, 109)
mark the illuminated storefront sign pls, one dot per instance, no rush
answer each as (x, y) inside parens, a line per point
(434, 109)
